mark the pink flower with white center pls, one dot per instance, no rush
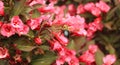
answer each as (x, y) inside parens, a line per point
(89, 6)
(34, 23)
(16, 22)
(61, 38)
(87, 57)
(7, 30)
(93, 48)
(23, 30)
(109, 59)
(80, 9)
(1, 8)
(95, 11)
(103, 6)
(38, 40)
(3, 53)
(71, 9)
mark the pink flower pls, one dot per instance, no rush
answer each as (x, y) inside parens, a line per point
(94, 26)
(76, 25)
(66, 55)
(38, 40)
(80, 9)
(33, 2)
(53, 1)
(44, 9)
(87, 57)
(95, 11)
(71, 9)
(109, 59)
(60, 60)
(3, 53)
(103, 6)
(1, 23)
(89, 6)
(93, 48)
(23, 30)
(34, 23)
(1, 8)
(16, 22)
(61, 38)
(55, 45)
(7, 30)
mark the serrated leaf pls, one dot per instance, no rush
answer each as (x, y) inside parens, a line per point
(99, 57)
(46, 59)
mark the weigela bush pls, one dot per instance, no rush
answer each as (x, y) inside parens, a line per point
(48, 32)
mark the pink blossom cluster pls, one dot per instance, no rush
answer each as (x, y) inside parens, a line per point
(94, 8)
(88, 57)
(64, 54)
(70, 20)
(15, 26)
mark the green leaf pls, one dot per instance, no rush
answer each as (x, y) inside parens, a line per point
(4, 62)
(44, 47)
(24, 44)
(46, 59)
(99, 57)
(79, 42)
(117, 62)
(110, 48)
(35, 14)
(111, 13)
(30, 34)
(18, 8)
(71, 45)
(26, 48)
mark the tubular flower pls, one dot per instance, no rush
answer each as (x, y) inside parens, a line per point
(33, 2)
(61, 38)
